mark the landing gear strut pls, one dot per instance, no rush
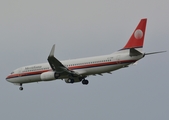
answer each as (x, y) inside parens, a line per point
(21, 88)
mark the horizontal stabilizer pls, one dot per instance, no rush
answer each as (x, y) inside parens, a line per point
(134, 52)
(154, 52)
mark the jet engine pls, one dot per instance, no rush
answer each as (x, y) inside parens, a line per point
(48, 76)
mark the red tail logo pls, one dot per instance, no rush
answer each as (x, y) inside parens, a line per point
(137, 38)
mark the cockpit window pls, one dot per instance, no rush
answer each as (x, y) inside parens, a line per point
(12, 72)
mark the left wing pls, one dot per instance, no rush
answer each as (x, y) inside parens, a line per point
(57, 66)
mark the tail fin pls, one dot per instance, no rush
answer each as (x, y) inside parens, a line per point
(137, 38)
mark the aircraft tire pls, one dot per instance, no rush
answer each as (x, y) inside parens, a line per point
(21, 88)
(85, 82)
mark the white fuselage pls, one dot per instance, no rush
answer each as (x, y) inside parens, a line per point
(85, 66)
(77, 70)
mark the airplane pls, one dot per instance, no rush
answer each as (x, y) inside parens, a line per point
(76, 70)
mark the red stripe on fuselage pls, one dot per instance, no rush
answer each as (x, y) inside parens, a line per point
(26, 74)
(73, 68)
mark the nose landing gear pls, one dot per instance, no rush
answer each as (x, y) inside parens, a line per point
(21, 88)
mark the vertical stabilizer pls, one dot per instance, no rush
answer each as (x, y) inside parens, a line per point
(137, 38)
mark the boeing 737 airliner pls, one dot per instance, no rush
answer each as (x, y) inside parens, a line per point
(77, 70)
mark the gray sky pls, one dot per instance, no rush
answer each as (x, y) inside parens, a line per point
(28, 29)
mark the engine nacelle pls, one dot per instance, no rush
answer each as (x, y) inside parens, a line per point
(48, 76)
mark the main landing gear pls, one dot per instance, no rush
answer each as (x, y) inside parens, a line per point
(85, 82)
(71, 80)
(21, 88)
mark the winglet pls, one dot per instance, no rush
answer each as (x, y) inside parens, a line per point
(52, 51)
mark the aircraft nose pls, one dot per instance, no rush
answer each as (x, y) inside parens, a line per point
(8, 78)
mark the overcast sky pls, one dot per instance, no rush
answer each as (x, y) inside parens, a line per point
(82, 28)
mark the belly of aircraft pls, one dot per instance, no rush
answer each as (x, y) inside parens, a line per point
(25, 79)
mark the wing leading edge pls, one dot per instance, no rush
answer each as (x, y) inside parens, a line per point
(57, 66)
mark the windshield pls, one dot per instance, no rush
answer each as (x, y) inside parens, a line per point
(12, 72)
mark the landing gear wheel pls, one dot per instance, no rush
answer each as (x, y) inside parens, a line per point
(85, 82)
(21, 88)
